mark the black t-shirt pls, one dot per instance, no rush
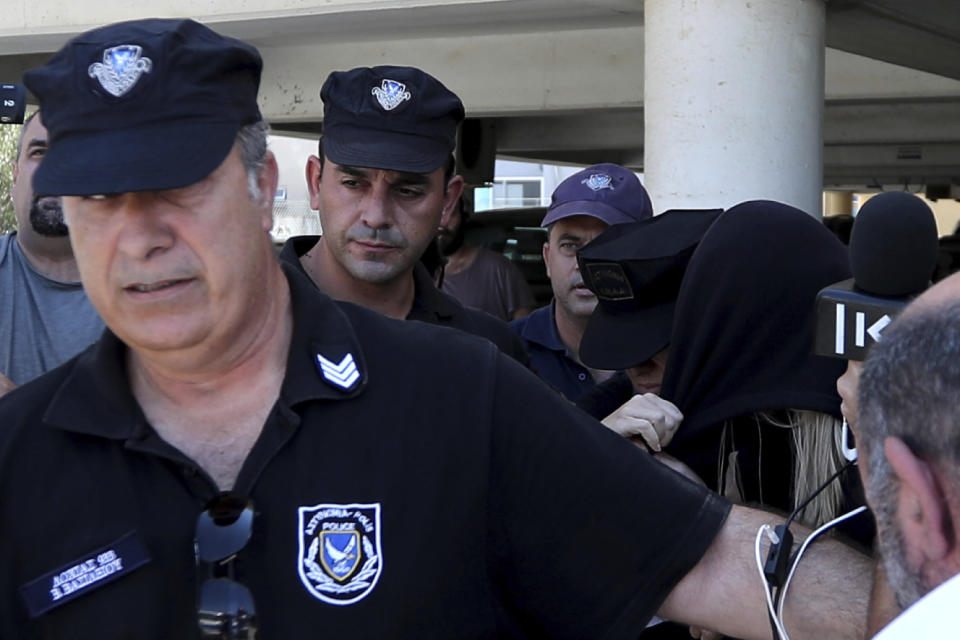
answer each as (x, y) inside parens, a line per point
(434, 306)
(414, 499)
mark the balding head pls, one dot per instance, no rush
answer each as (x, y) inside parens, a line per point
(945, 291)
(909, 441)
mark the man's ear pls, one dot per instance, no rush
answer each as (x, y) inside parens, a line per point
(451, 199)
(314, 172)
(15, 170)
(267, 183)
(546, 255)
(922, 514)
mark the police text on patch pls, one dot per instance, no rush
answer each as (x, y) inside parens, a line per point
(85, 574)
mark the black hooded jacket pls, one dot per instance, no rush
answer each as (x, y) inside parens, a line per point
(742, 342)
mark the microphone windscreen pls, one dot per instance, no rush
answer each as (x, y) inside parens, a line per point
(893, 247)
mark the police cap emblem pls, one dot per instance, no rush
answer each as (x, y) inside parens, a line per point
(340, 558)
(390, 94)
(122, 66)
(598, 181)
(609, 281)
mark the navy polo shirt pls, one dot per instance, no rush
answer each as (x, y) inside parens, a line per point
(548, 355)
(408, 483)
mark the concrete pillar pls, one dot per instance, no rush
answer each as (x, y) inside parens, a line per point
(733, 102)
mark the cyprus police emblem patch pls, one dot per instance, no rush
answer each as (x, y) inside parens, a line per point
(598, 181)
(340, 558)
(122, 66)
(390, 94)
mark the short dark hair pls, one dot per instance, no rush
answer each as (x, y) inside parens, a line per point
(910, 389)
(23, 133)
(449, 167)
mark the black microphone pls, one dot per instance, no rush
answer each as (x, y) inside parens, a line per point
(893, 246)
(893, 252)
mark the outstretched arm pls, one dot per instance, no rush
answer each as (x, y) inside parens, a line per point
(828, 596)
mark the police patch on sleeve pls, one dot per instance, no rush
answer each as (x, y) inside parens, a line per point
(339, 558)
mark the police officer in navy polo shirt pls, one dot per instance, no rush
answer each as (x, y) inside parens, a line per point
(239, 456)
(582, 206)
(384, 181)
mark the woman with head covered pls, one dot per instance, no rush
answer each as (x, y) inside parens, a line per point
(760, 411)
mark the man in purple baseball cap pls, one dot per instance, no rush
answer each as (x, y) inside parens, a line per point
(582, 206)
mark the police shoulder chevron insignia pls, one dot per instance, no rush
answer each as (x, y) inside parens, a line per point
(343, 375)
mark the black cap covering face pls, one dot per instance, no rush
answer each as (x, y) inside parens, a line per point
(635, 270)
(395, 118)
(142, 105)
(744, 323)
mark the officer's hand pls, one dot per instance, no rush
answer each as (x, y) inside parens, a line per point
(647, 418)
(847, 386)
(6, 385)
(705, 634)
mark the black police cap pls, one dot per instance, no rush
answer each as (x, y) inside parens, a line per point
(396, 118)
(142, 105)
(635, 270)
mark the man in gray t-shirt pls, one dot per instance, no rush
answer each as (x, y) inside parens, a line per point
(478, 277)
(45, 316)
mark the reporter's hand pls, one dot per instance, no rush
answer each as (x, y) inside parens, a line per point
(646, 417)
(847, 386)
(6, 385)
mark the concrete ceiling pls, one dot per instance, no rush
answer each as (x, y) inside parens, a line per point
(883, 124)
(919, 34)
(561, 80)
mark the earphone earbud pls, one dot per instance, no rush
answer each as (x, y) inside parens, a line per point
(849, 452)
